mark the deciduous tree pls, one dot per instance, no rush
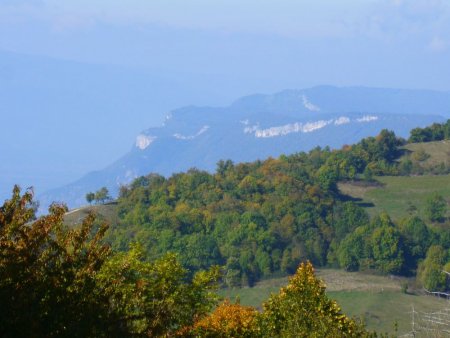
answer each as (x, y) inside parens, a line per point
(436, 208)
(302, 309)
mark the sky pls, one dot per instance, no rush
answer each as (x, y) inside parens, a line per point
(392, 42)
(151, 56)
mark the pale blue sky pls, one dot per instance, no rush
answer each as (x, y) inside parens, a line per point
(165, 53)
(154, 33)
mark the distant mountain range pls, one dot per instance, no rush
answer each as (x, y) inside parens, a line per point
(259, 126)
(57, 115)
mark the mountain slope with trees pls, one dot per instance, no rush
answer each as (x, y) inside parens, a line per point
(264, 217)
(175, 236)
(261, 126)
(60, 282)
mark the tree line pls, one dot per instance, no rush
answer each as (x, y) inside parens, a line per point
(435, 132)
(101, 196)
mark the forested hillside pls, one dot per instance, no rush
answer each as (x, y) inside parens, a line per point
(62, 282)
(176, 239)
(263, 218)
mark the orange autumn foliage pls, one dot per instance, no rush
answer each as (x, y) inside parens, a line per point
(228, 320)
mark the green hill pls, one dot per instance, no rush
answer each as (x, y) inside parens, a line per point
(261, 219)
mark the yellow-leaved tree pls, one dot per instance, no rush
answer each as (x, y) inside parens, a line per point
(301, 309)
(57, 281)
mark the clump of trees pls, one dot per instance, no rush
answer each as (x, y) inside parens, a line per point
(253, 219)
(435, 132)
(101, 196)
(61, 282)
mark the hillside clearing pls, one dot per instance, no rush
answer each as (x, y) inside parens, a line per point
(439, 151)
(398, 195)
(105, 212)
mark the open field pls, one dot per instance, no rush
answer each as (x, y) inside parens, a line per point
(335, 280)
(398, 193)
(106, 212)
(377, 300)
(439, 152)
(383, 311)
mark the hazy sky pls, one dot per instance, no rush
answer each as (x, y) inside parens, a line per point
(372, 42)
(165, 53)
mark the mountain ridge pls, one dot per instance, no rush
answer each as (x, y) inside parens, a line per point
(259, 126)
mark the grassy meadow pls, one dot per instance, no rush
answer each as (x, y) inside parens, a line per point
(397, 195)
(439, 151)
(105, 212)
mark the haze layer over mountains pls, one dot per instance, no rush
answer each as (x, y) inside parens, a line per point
(259, 126)
(79, 80)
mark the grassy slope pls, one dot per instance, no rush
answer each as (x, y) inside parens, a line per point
(398, 193)
(439, 151)
(375, 299)
(106, 212)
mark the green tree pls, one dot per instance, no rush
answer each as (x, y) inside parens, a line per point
(64, 282)
(417, 239)
(90, 197)
(430, 273)
(47, 274)
(387, 249)
(302, 309)
(420, 135)
(354, 249)
(102, 195)
(386, 145)
(436, 208)
(446, 128)
(157, 298)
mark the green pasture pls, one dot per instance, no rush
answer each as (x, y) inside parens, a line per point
(399, 196)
